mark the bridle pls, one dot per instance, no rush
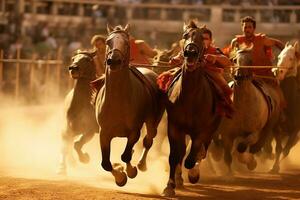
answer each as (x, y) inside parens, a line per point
(109, 51)
(81, 75)
(200, 49)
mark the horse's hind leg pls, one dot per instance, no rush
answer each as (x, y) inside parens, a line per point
(292, 140)
(228, 144)
(67, 139)
(147, 143)
(127, 155)
(276, 167)
(84, 138)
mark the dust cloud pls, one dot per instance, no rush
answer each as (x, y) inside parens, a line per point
(30, 144)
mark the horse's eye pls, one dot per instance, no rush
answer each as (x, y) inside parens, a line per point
(185, 36)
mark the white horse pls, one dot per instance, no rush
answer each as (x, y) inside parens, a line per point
(286, 73)
(288, 61)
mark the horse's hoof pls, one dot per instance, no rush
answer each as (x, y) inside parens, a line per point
(241, 148)
(275, 169)
(84, 158)
(62, 171)
(194, 175)
(132, 172)
(179, 181)
(252, 165)
(285, 152)
(168, 192)
(142, 167)
(121, 180)
(229, 174)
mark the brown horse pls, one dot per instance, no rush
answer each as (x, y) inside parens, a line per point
(253, 121)
(79, 113)
(129, 98)
(191, 109)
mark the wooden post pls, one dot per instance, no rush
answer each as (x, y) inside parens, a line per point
(58, 69)
(47, 78)
(1, 68)
(17, 86)
(31, 76)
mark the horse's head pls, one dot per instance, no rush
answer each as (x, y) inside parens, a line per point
(118, 48)
(243, 57)
(288, 60)
(193, 47)
(83, 66)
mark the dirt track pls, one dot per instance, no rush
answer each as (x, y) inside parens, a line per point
(29, 151)
(254, 186)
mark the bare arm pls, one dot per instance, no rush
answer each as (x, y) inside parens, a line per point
(145, 49)
(223, 60)
(234, 44)
(220, 59)
(270, 42)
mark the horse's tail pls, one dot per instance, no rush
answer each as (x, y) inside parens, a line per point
(96, 85)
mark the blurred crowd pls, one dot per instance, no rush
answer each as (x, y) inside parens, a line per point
(217, 2)
(41, 40)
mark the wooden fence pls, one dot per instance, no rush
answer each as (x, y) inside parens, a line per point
(33, 77)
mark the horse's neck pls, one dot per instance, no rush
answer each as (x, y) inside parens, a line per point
(192, 80)
(117, 86)
(82, 93)
(243, 92)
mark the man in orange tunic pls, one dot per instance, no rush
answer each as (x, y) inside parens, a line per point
(261, 52)
(261, 46)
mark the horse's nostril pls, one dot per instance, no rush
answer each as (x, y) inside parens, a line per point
(114, 62)
(109, 61)
(189, 53)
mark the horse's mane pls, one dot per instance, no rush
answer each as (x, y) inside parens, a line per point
(90, 52)
(118, 28)
(285, 50)
(243, 49)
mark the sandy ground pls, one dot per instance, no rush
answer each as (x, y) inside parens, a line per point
(29, 151)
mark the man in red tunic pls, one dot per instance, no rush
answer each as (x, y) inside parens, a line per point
(216, 61)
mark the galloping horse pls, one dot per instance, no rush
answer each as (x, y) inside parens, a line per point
(79, 113)
(288, 63)
(191, 109)
(254, 120)
(129, 98)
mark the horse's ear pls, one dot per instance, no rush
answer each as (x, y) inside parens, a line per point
(127, 28)
(109, 28)
(287, 44)
(184, 26)
(297, 49)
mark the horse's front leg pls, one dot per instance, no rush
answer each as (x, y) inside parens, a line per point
(276, 167)
(177, 152)
(84, 138)
(117, 170)
(127, 155)
(192, 162)
(246, 157)
(147, 143)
